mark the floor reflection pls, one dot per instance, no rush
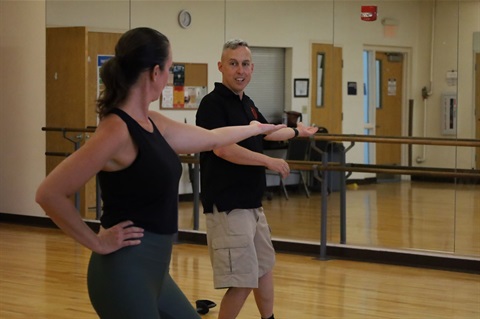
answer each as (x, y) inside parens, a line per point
(439, 217)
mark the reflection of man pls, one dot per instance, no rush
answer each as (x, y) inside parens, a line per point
(233, 183)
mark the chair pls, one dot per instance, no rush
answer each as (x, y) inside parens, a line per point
(299, 150)
(322, 145)
(325, 147)
(275, 150)
(293, 118)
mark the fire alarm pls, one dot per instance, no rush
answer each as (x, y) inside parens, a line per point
(369, 13)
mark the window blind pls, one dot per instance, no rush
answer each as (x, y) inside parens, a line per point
(267, 86)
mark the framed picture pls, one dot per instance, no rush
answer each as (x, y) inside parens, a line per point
(300, 88)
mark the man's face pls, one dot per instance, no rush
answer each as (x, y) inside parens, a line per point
(236, 67)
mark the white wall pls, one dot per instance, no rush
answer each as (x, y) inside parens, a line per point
(455, 23)
(412, 37)
(22, 105)
(469, 23)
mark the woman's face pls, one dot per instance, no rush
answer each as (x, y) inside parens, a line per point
(161, 76)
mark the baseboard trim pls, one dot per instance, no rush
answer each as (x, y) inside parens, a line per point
(422, 259)
(38, 221)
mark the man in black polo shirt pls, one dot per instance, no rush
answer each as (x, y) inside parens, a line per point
(233, 183)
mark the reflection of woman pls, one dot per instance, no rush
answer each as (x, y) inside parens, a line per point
(134, 151)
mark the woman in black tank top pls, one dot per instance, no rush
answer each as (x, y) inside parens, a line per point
(134, 152)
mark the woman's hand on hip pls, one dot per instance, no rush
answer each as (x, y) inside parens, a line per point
(116, 237)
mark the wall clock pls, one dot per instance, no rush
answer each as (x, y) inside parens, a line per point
(184, 19)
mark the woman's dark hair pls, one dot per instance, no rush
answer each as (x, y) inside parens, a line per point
(137, 50)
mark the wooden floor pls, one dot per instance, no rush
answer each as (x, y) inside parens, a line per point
(43, 276)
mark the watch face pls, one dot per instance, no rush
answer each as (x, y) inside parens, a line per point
(184, 18)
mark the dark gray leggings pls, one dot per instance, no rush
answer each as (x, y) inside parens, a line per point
(134, 282)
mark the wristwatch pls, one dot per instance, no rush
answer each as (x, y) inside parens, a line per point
(296, 132)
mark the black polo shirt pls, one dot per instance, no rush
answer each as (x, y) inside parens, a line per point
(224, 184)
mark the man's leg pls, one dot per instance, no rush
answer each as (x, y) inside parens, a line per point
(232, 302)
(264, 295)
(234, 299)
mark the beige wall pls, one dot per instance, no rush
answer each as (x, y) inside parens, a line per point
(22, 89)
(295, 25)
(22, 105)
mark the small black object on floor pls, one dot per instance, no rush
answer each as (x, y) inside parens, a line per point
(204, 306)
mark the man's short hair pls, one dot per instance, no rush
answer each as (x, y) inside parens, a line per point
(234, 43)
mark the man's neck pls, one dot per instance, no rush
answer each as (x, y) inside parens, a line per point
(240, 94)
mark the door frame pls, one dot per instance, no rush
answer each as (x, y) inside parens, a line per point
(407, 83)
(476, 126)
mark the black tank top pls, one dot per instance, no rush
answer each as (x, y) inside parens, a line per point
(146, 192)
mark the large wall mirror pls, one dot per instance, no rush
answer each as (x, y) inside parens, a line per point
(382, 68)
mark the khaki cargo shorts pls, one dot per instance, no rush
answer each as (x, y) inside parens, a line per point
(240, 247)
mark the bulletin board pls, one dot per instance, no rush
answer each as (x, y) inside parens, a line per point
(186, 86)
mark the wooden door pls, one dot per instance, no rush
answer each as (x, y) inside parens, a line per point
(326, 97)
(66, 92)
(477, 108)
(65, 85)
(388, 116)
(71, 93)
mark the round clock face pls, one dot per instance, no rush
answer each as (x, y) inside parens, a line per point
(184, 18)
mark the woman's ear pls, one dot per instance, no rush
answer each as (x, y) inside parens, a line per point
(155, 72)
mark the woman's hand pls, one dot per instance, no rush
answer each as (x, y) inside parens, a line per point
(116, 237)
(267, 128)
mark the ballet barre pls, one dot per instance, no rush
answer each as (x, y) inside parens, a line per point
(320, 171)
(77, 141)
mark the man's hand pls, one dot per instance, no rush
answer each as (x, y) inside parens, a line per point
(305, 131)
(279, 165)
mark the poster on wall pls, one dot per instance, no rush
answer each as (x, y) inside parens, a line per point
(178, 85)
(177, 94)
(178, 71)
(167, 97)
(392, 87)
(182, 97)
(193, 96)
(101, 59)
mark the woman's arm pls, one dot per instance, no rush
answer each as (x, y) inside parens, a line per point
(185, 139)
(54, 193)
(288, 133)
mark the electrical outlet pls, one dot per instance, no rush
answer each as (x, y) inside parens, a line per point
(304, 109)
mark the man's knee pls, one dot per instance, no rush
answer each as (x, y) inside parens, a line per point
(239, 292)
